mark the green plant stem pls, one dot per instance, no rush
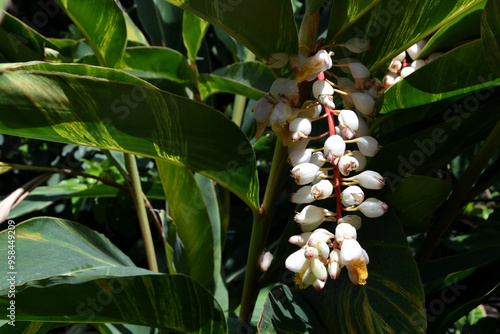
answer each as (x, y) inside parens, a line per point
(454, 204)
(260, 231)
(240, 100)
(136, 188)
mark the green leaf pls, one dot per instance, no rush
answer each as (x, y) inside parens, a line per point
(195, 256)
(490, 34)
(61, 258)
(193, 31)
(129, 118)
(250, 79)
(414, 208)
(463, 28)
(346, 13)
(13, 49)
(134, 34)
(270, 29)
(450, 78)
(34, 327)
(103, 25)
(390, 302)
(165, 68)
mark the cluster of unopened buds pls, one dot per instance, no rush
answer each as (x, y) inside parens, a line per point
(402, 66)
(323, 172)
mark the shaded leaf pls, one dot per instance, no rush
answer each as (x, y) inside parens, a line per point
(262, 26)
(129, 118)
(490, 34)
(193, 31)
(103, 25)
(134, 34)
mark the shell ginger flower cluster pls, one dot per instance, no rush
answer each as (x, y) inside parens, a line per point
(332, 172)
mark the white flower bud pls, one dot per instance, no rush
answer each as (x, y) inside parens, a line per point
(303, 196)
(334, 147)
(304, 173)
(345, 82)
(325, 58)
(370, 180)
(300, 239)
(319, 177)
(364, 103)
(321, 87)
(327, 101)
(319, 270)
(311, 214)
(344, 231)
(321, 246)
(300, 157)
(361, 159)
(322, 235)
(285, 89)
(321, 190)
(400, 56)
(281, 113)
(407, 71)
(265, 261)
(350, 251)
(359, 71)
(357, 45)
(352, 196)
(362, 129)
(297, 146)
(353, 220)
(334, 265)
(368, 145)
(390, 79)
(309, 278)
(277, 60)
(415, 49)
(262, 110)
(349, 123)
(434, 56)
(309, 68)
(311, 252)
(311, 112)
(318, 285)
(372, 92)
(347, 164)
(395, 66)
(318, 158)
(418, 64)
(373, 207)
(348, 61)
(300, 128)
(297, 261)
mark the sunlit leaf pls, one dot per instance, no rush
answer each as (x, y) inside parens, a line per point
(193, 31)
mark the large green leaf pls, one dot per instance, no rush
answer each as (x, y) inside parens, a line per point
(134, 34)
(450, 78)
(103, 25)
(490, 34)
(262, 26)
(414, 208)
(196, 255)
(129, 118)
(193, 31)
(390, 302)
(394, 26)
(56, 258)
(250, 79)
(463, 28)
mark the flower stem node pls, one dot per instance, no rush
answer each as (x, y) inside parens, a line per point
(373, 207)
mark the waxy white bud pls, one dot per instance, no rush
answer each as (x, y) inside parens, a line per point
(407, 71)
(353, 220)
(304, 173)
(311, 112)
(418, 64)
(395, 66)
(300, 239)
(434, 56)
(352, 196)
(357, 45)
(318, 158)
(311, 252)
(400, 56)
(345, 82)
(277, 60)
(390, 79)
(318, 285)
(359, 71)
(373, 207)
(347, 164)
(262, 110)
(334, 265)
(319, 269)
(362, 129)
(349, 123)
(322, 235)
(364, 103)
(321, 246)
(309, 68)
(361, 159)
(310, 218)
(303, 196)
(368, 145)
(309, 278)
(350, 251)
(297, 261)
(344, 231)
(348, 61)
(334, 147)
(297, 146)
(281, 113)
(285, 89)
(370, 180)
(415, 49)
(300, 157)
(321, 190)
(327, 101)
(300, 128)
(321, 87)
(319, 177)
(265, 261)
